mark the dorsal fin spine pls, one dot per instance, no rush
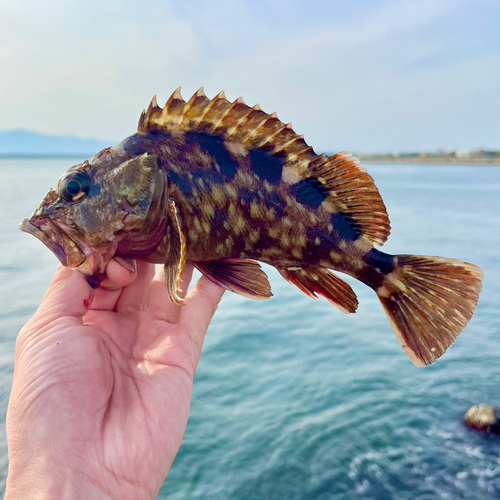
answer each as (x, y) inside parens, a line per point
(207, 108)
(224, 114)
(272, 136)
(176, 95)
(277, 149)
(258, 126)
(164, 114)
(141, 127)
(232, 130)
(147, 116)
(188, 104)
(294, 156)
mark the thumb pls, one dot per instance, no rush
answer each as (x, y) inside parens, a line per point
(65, 302)
(68, 295)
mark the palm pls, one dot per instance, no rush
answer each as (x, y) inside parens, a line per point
(114, 394)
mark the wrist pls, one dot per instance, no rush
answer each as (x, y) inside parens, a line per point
(36, 477)
(41, 478)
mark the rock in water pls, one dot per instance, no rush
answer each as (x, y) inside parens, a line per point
(483, 418)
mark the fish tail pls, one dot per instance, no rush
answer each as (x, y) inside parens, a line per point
(429, 301)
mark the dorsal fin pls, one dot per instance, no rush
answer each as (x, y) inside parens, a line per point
(350, 189)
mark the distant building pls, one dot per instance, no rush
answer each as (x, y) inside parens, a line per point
(491, 154)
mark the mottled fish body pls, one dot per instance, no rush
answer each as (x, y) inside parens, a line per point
(223, 185)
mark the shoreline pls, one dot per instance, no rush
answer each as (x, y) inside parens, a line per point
(363, 158)
(441, 161)
(42, 156)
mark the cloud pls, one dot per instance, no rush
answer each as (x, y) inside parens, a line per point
(77, 66)
(363, 75)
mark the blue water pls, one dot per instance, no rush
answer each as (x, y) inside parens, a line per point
(294, 400)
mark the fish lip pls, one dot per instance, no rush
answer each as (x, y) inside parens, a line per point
(57, 249)
(56, 241)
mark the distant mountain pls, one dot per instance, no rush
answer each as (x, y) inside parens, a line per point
(22, 142)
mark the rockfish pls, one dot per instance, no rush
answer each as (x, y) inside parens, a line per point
(223, 185)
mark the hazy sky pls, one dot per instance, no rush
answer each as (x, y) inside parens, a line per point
(359, 75)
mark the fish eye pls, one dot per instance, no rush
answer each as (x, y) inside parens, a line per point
(74, 187)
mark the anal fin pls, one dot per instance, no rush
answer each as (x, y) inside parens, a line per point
(313, 280)
(242, 276)
(176, 255)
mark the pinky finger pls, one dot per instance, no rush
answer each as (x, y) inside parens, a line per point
(159, 304)
(201, 304)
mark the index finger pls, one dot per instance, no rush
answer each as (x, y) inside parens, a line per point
(119, 274)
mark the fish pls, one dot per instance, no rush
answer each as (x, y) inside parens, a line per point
(224, 186)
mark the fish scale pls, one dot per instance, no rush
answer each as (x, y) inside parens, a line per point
(223, 185)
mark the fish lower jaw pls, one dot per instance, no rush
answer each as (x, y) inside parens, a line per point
(62, 245)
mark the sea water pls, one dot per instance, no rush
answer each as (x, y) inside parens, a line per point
(294, 400)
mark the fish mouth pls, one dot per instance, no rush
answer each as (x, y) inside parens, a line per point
(63, 247)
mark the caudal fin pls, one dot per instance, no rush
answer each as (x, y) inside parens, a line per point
(429, 301)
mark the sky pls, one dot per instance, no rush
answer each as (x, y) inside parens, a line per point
(357, 75)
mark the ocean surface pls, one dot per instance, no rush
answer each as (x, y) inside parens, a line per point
(294, 400)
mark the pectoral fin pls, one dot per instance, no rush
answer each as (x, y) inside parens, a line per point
(242, 276)
(313, 280)
(176, 255)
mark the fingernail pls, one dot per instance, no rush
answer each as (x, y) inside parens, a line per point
(129, 265)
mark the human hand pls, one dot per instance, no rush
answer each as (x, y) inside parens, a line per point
(102, 385)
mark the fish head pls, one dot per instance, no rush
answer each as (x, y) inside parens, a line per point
(95, 205)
